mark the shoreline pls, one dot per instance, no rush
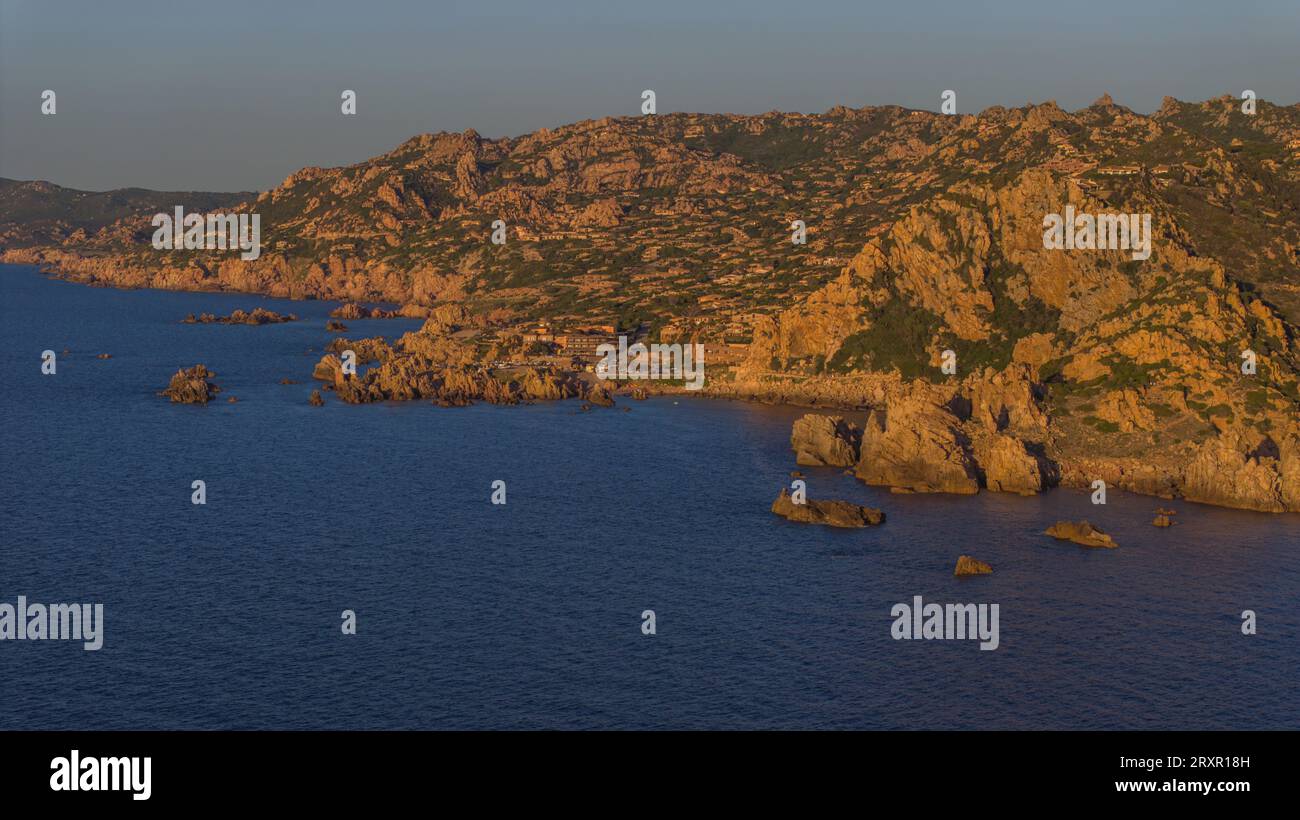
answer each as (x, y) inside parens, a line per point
(859, 394)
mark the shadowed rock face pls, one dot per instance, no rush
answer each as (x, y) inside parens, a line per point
(983, 432)
(825, 441)
(1007, 465)
(1230, 472)
(832, 513)
(1081, 532)
(191, 386)
(971, 566)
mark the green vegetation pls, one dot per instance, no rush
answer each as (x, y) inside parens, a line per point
(777, 148)
(896, 340)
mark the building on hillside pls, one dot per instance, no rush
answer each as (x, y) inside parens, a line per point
(584, 344)
(540, 332)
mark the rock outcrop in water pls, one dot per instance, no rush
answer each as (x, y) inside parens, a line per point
(917, 446)
(1082, 533)
(257, 316)
(352, 310)
(431, 365)
(1007, 465)
(192, 386)
(967, 565)
(825, 441)
(408, 378)
(831, 513)
(1254, 472)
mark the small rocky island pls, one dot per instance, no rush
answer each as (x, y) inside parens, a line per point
(832, 513)
(1082, 533)
(192, 386)
(967, 565)
(258, 316)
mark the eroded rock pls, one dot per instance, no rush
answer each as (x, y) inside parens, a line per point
(192, 386)
(831, 513)
(967, 565)
(916, 446)
(1082, 533)
(257, 316)
(825, 441)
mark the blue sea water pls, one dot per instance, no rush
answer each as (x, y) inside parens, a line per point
(528, 615)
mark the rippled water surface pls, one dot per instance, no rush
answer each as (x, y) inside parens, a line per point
(528, 615)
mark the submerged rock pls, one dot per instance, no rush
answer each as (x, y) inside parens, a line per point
(1163, 521)
(192, 386)
(971, 566)
(316, 400)
(1081, 532)
(833, 513)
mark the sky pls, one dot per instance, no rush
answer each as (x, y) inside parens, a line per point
(237, 95)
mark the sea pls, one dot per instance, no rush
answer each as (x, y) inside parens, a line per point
(534, 614)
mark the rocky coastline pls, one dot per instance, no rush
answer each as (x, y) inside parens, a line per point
(992, 431)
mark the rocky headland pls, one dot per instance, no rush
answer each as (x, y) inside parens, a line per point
(924, 296)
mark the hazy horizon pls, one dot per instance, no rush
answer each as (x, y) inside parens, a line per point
(148, 99)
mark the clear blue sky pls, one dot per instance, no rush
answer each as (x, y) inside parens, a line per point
(237, 95)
